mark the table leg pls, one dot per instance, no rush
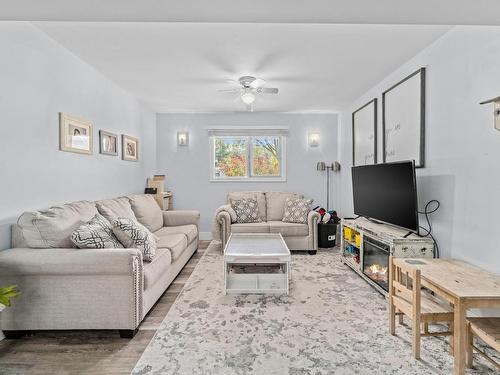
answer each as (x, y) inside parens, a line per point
(224, 264)
(459, 344)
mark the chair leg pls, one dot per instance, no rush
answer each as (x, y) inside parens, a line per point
(416, 337)
(450, 328)
(392, 317)
(400, 319)
(470, 341)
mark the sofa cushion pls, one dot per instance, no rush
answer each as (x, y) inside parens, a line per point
(275, 203)
(190, 231)
(96, 234)
(53, 228)
(247, 210)
(288, 229)
(133, 234)
(112, 209)
(262, 227)
(147, 211)
(157, 267)
(259, 195)
(296, 210)
(176, 243)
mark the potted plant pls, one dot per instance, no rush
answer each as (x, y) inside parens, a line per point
(6, 294)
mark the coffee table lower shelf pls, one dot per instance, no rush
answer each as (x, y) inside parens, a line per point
(256, 283)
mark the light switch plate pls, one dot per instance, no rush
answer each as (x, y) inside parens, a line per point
(497, 115)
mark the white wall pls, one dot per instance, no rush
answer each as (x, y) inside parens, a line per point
(39, 79)
(187, 168)
(462, 147)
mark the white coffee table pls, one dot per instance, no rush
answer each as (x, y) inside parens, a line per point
(256, 263)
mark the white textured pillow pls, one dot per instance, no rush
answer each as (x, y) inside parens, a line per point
(96, 234)
(135, 235)
(297, 210)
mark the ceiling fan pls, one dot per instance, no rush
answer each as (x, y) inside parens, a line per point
(249, 88)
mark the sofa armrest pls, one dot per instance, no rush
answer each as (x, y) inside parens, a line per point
(26, 261)
(313, 218)
(180, 217)
(223, 219)
(312, 221)
(73, 288)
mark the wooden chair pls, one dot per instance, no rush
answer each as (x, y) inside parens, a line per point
(488, 330)
(406, 298)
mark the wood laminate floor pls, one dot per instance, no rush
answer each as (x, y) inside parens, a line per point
(90, 352)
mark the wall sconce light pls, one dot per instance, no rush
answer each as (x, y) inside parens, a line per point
(313, 139)
(182, 138)
(496, 111)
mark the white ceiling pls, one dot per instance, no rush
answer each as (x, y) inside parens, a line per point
(432, 12)
(178, 67)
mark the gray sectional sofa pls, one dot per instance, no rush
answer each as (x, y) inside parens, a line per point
(271, 208)
(68, 288)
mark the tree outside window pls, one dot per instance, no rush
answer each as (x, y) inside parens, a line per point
(247, 157)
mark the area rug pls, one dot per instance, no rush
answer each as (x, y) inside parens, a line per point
(332, 322)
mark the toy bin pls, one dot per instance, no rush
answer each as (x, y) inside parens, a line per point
(348, 233)
(357, 239)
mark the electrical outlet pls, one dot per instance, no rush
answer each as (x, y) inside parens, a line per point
(331, 237)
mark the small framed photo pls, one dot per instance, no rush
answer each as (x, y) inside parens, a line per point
(75, 135)
(130, 148)
(108, 143)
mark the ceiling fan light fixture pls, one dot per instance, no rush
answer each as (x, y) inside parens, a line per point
(248, 97)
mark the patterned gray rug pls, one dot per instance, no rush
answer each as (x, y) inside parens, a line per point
(333, 322)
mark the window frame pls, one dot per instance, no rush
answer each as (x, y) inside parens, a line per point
(249, 136)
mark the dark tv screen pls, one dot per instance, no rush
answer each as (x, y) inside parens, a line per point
(386, 192)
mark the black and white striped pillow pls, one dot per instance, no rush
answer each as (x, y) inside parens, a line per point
(96, 234)
(132, 234)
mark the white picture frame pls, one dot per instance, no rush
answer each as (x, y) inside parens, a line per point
(75, 135)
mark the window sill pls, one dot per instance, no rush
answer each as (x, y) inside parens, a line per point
(277, 179)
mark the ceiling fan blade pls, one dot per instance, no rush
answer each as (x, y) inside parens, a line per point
(259, 82)
(228, 90)
(267, 90)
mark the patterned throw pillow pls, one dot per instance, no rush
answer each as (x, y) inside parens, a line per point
(135, 235)
(96, 234)
(247, 210)
(296, 210)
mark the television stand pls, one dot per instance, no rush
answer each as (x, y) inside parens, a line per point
(366, 246)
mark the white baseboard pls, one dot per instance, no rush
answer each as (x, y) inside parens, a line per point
(205, 236)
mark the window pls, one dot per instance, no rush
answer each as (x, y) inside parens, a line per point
(236, 156)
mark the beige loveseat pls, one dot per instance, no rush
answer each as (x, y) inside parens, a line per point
(271, 208)
(68, 288)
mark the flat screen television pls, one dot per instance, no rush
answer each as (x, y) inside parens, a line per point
(387, 192)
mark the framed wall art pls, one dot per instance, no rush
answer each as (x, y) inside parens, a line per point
(108, 143)
(130, 148)
(75, 135)
(364, 134)
(403, 120)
